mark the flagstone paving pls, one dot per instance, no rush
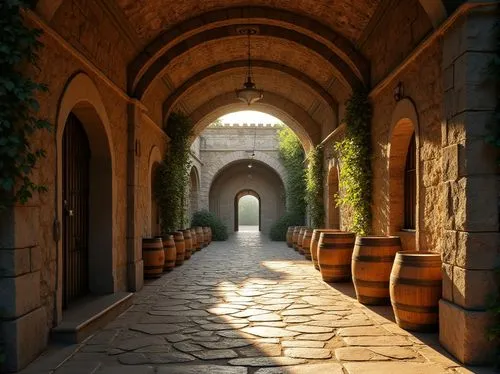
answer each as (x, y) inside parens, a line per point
(248, 306)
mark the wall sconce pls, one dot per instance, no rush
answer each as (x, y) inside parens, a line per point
(398, 92)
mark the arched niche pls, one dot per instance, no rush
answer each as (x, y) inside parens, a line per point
(404, 124)
(194, 191)
(152, 216)
(82, 99)
(333, 211)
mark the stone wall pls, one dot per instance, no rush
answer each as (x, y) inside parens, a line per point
(30, 245)
(469, 188)
(224, 145)
(237, 178)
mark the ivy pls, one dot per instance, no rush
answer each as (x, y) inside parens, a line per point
(18, 105)
(172, 176)
(354, 153)
(291, 155)
(314, 187)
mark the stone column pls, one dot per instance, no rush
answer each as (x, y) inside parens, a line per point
(23, 319)
(135, 266)
(470, 243)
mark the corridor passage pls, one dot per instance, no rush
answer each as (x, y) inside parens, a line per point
(249, 305)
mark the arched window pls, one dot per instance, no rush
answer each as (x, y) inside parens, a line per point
(410, 186)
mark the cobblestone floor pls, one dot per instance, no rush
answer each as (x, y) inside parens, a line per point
(253, 306)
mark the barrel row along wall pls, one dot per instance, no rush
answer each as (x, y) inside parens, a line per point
(449, 104)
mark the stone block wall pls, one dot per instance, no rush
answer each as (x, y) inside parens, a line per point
(469, 187)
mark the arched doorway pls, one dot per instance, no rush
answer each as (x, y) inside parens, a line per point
(333, 190)
(247, 211)
(85, 195)
(403, 154)
(75, 221)
(155, 211)
(194, 188)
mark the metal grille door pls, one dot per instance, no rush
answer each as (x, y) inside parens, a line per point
(76, 156)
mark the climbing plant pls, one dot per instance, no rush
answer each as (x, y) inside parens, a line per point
(354, 152)
(314, 187)
(291, 154)
(172, 175)
(19, 45)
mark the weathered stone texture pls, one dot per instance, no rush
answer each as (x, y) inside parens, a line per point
(403, 26)
(422, 84)
(149, 18)
(84, 24)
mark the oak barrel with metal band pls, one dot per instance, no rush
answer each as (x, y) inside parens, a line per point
(335, 254)
(289, 236)
(306, 243)
(188, 244)
(372, 261)
(153, 257)
(415, 289)
(313, 247)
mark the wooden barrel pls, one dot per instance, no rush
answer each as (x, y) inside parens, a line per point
(180, 247)
(194, 238)
(335, 254)
(289, 234)
(415, 289)
(206, 236)
(372, 261)
(188, 244)
(170, 252)
(295, 237)
(200, 237)
(153, 257)
(306, 243)
(300, 239)
(313, 247)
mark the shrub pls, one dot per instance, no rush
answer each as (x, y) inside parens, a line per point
(209, 219)
(279, 228)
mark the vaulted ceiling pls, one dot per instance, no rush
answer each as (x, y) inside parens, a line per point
(190, 55)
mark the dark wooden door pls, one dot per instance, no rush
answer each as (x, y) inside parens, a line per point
(76, 157)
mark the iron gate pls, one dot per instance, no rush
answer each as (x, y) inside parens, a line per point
(76, 157)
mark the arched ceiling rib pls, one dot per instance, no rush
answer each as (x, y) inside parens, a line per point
(230, 66)
(253, 15)
(221, 33)
(308, 131)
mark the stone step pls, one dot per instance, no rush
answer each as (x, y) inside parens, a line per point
(89, 315)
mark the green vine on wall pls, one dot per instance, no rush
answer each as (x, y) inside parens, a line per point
(172, 176)
(291, 155)
(314, 187)
(354, 152)
(18, 105)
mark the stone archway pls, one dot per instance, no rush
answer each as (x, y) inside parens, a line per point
(194, 191)
(152, 217)
(237, 197)
(333, 211)
(82, 99)
(214, 169)
(404, 125)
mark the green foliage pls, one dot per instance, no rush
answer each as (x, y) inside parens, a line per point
(314, 187)
(292, 155)
(18, 105)
(205, 218)
(354, 152)
(172, 176)
(279, 228)
(248, 211)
